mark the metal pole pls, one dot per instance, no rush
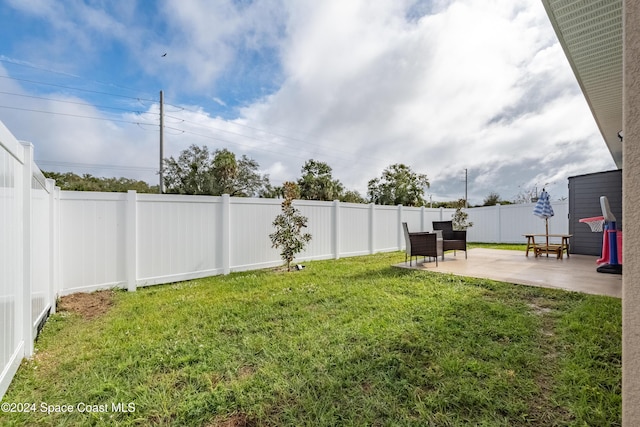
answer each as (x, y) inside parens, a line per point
(161, 142)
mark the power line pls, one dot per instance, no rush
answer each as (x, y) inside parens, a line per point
(313, 148)
(316, 146)
(62, 73)
(121, 109)
(77, 103)
(78, 89)
(76, 115)
(279, 135)
(240, 125)
(232, 142)
(94, 166)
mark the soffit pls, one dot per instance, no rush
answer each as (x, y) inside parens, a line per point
(590, 32)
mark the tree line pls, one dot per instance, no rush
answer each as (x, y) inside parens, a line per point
(70, 181)
(199, 171)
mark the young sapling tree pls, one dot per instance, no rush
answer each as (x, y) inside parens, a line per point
(289, 224)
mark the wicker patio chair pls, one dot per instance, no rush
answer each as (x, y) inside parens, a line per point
(452, 239)
(420, 244)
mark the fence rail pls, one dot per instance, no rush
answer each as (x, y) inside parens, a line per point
(60, 242)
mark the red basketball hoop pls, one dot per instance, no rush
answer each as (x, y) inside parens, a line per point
(595, 223)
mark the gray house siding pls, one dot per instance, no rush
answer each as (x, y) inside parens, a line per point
(584, 202)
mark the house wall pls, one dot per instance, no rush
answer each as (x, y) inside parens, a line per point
(631, 191)
(584, 202)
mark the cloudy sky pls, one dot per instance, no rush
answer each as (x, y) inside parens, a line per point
(442, 86)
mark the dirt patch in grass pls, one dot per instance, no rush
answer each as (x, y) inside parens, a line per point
(235, 420)
(544, 410)
(245, 372)
(87, 305)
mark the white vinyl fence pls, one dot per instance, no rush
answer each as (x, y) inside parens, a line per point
(28, 234)
(507, 223)
(130, 240)
(56, 242)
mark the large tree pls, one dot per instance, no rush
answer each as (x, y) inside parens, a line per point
(199, 171)
(399, 185)
(317, 183)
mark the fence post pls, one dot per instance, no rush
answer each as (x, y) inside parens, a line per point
(441, 213)
(499, 219)
(399, 231)
(53, 242)
(131, 229)
(225, 233)
(336, 229)
(372, 210)
(27, 176)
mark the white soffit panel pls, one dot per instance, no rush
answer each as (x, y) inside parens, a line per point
(590, 32)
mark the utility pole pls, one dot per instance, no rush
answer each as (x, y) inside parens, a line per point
(466, 180)
(161, 142)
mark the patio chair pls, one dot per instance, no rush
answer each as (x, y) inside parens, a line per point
(453, 240)
(420, 244)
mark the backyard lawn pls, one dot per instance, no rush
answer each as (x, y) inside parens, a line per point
(343, 342)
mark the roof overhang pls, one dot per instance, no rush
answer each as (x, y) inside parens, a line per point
(590, 32)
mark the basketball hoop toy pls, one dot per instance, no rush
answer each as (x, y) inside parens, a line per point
(606, 224)
(595, 223)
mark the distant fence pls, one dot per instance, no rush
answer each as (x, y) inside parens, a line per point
(56, 242)
(507, 223)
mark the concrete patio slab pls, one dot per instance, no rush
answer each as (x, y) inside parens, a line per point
(577, 273)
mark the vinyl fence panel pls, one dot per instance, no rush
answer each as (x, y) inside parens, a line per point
(321, 226)
(414, 219)
(178, 238)
(508, 223)
(41, 297)
(28, 253)
(11, 227)
(387, 229)
(92, 241)
(249, 228)
(354, 229)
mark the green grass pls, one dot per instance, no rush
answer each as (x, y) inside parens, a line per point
(508, 246)
(347, 342)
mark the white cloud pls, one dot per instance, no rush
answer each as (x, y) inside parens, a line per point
(477, 84)
(440, 86)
